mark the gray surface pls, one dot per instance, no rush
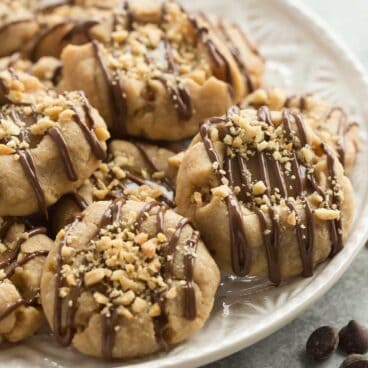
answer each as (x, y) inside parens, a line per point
(349, 298)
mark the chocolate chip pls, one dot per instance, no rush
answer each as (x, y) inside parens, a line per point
(322, 343)
(355, 361)
(354, 338)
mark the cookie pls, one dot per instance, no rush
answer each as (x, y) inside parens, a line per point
(49, 144)
(47, 69)
(17, 26)
(66, 24)
(132, 278)
(42, 5)
(269, 197)
(331, 123)
(244, 52)
(23, 251)
(163, 71)
(135, 170)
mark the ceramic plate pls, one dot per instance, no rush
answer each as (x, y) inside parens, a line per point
(303, 56)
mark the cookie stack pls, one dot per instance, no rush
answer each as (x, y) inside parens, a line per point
(140, 153)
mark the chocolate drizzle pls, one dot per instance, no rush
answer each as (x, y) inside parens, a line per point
(190, 309)
(180, 97)
(271, 239)
(13, 307)
(335, 226)
(109, 320)
(34, 53)
(302, 105)
(5, 27)
(305, 238)
(56, 75)
(78, 200)
(112, 214)
(179, 94)
(73, 29)
(62, 146)
(64, 331)
(87, 131)
(166, 180)
(117, 97)
(28, 257)
(11, 256)
(342, 125)
(129, 16)
(47, 5)
(217, 57)
(29, 168)
(144, 211)
(341, 130)
(9, 262)
(80, 28)
(108, 334)
(233, 48)
(240, 252)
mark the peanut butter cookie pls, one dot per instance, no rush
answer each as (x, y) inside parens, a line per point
(134, 170)
(47, 69)
(42, 5)
(163, 70)
(23, 250)
(49, 144)
(17, 26)
(127, 279)
(269, 197)
(66, 23)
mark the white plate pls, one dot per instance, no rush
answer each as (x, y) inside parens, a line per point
(304, 57)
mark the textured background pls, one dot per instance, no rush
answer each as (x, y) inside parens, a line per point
(349, 298)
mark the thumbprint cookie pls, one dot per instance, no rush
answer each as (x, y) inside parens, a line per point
(49, 144)
(135, 170)
(23, 251)
(163, 70)
(269, 197)
(126, 279)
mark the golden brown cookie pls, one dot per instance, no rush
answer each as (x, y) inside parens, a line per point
(331, 123)
(269, 197)
(131, 278)
(67, 23)
(49, 143)
(163, 71)
(244, 52)
(135, 170)
(17, 26)
(42, 5)
(23, 251)
(47, 69)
